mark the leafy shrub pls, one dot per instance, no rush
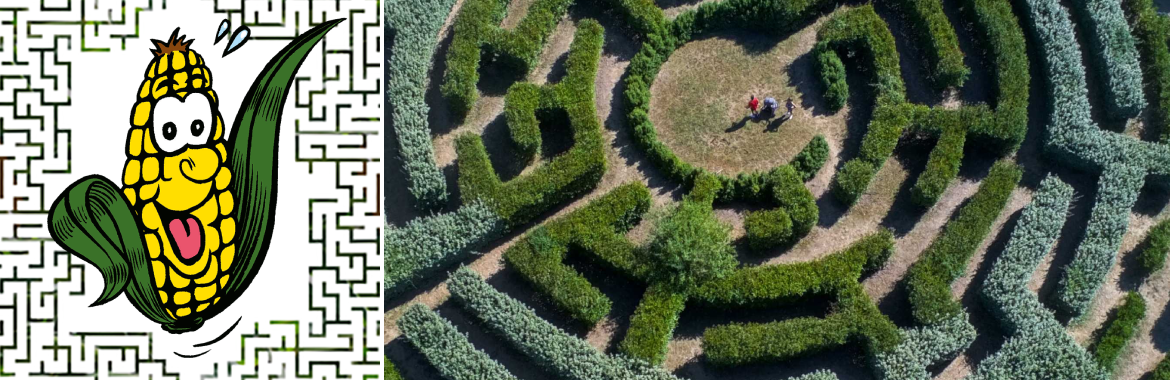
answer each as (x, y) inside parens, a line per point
(1150, 32)
(391, 372)
(923, 346)
(1121, 331)
(427, 244)
(1162, 372)
(938, 41)
(822, 374)
(595, 229)
(1038, 346)
(416, 26)
(810, 159)
(850, 183)
(1153, 257)
(1117, 192)
(929, 280)
(832, 73)
(568, 175)
(1000, 35)
(653, 324)
(1114, 53)
(477, 28)
(942, 167)
(546, 345)
(446, 349)
(795, 217)
(690, 246)
(768, 228)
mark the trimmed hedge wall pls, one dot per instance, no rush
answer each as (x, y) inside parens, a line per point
(1114, 54)
(929, 280)
(415, 25)
(1151, 31)
(1120, 331)
(428, 244)
(821, 374)
(937, 40)
(811, 159)
(924, 346)
(446, 348)
(391, 372)
(1162, 372)
(1153, 258)
(1038, 346)
(653, 324)
(941, 168)
(596, 229)
(795, 217)
(477, 33)
(568, 175)
(1001, 37)
(549, 347)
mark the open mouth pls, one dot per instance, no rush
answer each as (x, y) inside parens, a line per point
(185, 233)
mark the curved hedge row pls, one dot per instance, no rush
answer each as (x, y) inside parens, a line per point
(941, 45)
(478, 27)
(1153, 258)
(415, 25)
(1114, 53)
(568, 175)
(446, 349)
(428, 244)
(1151, 31)
(548, 346)
(1037, 346)
(795, 216)
(1121, 331)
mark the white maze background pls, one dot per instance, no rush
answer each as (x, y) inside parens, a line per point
(68, 75)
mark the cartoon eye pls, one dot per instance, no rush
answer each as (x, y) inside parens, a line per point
(181, 122)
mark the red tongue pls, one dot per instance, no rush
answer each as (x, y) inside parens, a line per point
(188, 239)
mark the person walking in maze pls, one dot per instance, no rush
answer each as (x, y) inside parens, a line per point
(791, 106)
(754, 106)
(770, 107)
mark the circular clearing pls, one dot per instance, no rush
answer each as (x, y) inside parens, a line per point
(699, 101)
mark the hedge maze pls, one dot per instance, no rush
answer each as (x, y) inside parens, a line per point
(1038, 234)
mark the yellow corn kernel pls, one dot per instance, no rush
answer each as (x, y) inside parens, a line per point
(160, 273)
(204, 293)
(201, 307)
(222, 151)
(197, 83)
(150, 73)
(226, 257)
(211, 239)
(183, 312)
(215, 301)
(158, 90)
(226, 202)
(179, 62)
(227, 227)
(191, 57)
(136, 141)
(163, 63)
(131, 173)
(209, 277)
(169, 312)
(163, 295)
(181, 298)
(180, 79)
(148, 143)
(223, 281)
(211, 93)
(223, 178)
(182, 95)
(130, 196)
(208, 211)
(178, 280)
(150, 217)
(145, 91)
(141, 114)
(150, 169)
(152, 245)
(148, 191)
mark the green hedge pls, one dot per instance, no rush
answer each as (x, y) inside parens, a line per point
(1120, 331)
(937, 40)
(1151, 31)
(568, 175)
(477, 33)
(922, 347)
(1000, 35)
(391, 372)
(596, 229)
(1153, 258)
(415, 25)
(1038, 346)
(929, 280)
(1115, 54)
(852, 181)
(426, 245)
(941, 168)
(561, 353)
(832, 73)
(653, 324)
(1162, 372)
(446, 348)
(795, 217)
(810, 159)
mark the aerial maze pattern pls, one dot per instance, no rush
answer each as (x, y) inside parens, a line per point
(1125, 41)
(338, 139)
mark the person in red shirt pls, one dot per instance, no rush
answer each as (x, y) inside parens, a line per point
(754, 105)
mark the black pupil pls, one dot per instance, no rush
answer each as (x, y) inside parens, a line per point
(169, 130)
(196, 128)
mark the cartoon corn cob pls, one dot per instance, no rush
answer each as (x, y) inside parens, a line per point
(190, 226)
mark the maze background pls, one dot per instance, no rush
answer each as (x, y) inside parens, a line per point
(313, 310)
